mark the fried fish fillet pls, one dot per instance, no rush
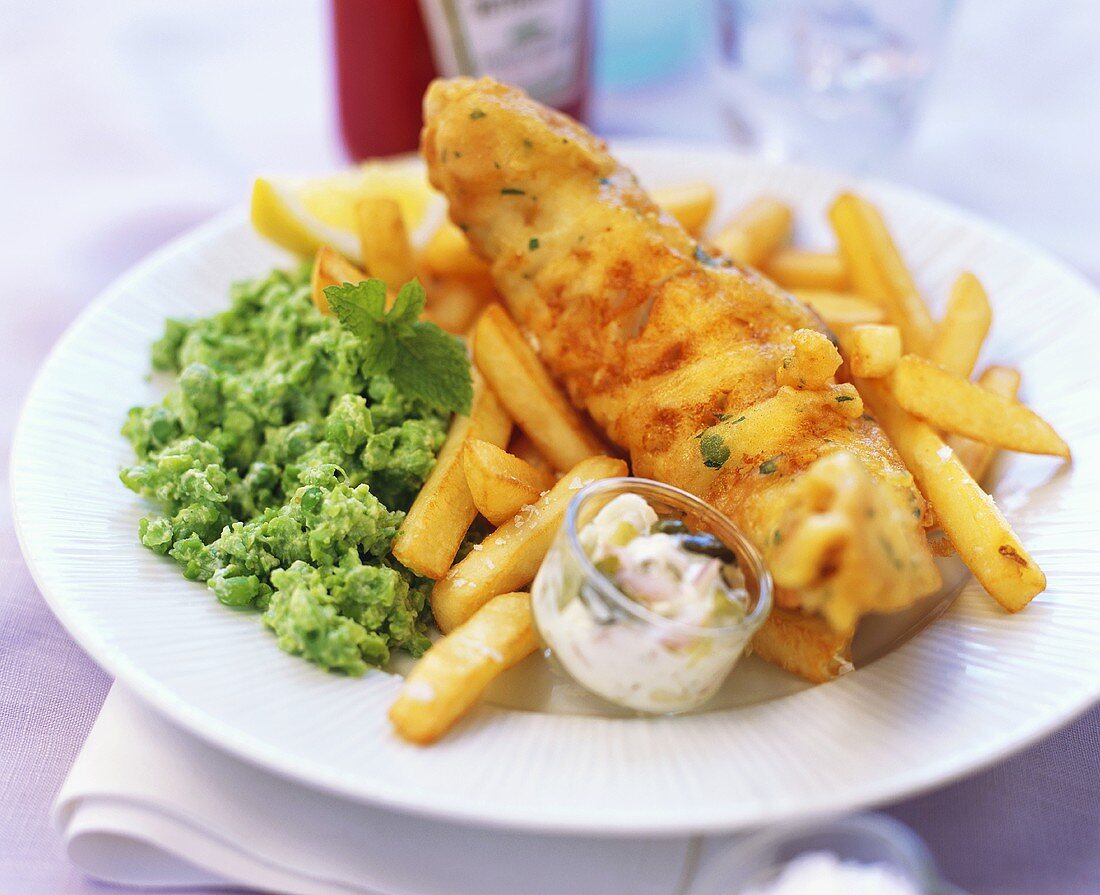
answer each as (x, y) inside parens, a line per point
(688, 361)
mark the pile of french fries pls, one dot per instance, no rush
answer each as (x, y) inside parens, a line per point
(914, 374)
(524, 451)
(516, 460)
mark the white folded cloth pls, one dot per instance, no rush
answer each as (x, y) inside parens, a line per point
(147, 804)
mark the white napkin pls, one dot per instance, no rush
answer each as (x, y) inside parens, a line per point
(147, 804)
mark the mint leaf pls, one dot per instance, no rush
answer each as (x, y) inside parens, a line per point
(360, 307)
(381, 352)
(408, 306)
(433, 366)
(423, 361)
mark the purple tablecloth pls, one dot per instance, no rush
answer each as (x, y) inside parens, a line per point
(174, 108)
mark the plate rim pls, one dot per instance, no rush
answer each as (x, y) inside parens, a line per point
(257, 752)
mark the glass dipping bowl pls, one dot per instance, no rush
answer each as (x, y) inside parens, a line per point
(617, 648)
(759, 859)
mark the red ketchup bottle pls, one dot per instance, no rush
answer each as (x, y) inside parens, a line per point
(388, 50)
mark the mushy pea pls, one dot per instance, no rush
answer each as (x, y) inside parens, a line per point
(281, 471)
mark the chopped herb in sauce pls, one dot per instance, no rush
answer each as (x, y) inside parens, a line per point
(840, 399)
(706, 544)
(476, 114)
(512, 191)
(669, 526)
(768, 467)
(533, 243)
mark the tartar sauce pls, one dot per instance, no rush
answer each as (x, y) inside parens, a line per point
(661, 623)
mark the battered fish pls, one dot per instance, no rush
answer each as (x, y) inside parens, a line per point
(710, 376)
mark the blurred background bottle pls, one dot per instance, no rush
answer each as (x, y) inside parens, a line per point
(388, 50)
(835, 81)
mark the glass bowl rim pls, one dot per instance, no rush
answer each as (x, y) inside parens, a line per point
(911, 853)
(732, 536)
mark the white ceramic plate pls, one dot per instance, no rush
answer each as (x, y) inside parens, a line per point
(968, 689)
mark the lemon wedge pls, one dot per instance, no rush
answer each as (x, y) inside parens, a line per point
(302, 214)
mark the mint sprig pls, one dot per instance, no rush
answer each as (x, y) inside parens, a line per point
(423, 361)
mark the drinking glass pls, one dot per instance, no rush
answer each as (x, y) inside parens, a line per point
(836, 82)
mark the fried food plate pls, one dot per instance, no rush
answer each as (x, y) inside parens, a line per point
(942, 690)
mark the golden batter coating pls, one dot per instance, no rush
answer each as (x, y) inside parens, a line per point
(685, 360)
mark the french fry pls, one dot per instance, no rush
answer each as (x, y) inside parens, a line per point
(690, 203)
(756, 231)
(453, 674)
(952, 404)
(501, 484)
(968, 516)
(448, 253)
(977, 456)
(878, 271)
(963, 328)
(330, 268)
(524, 448)
(437, 521)
(456, 302)
(384, 242)
(801, 269)
(840, 309)
(805, 645)
(510, 556)
(873, 350)
(528, 393)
